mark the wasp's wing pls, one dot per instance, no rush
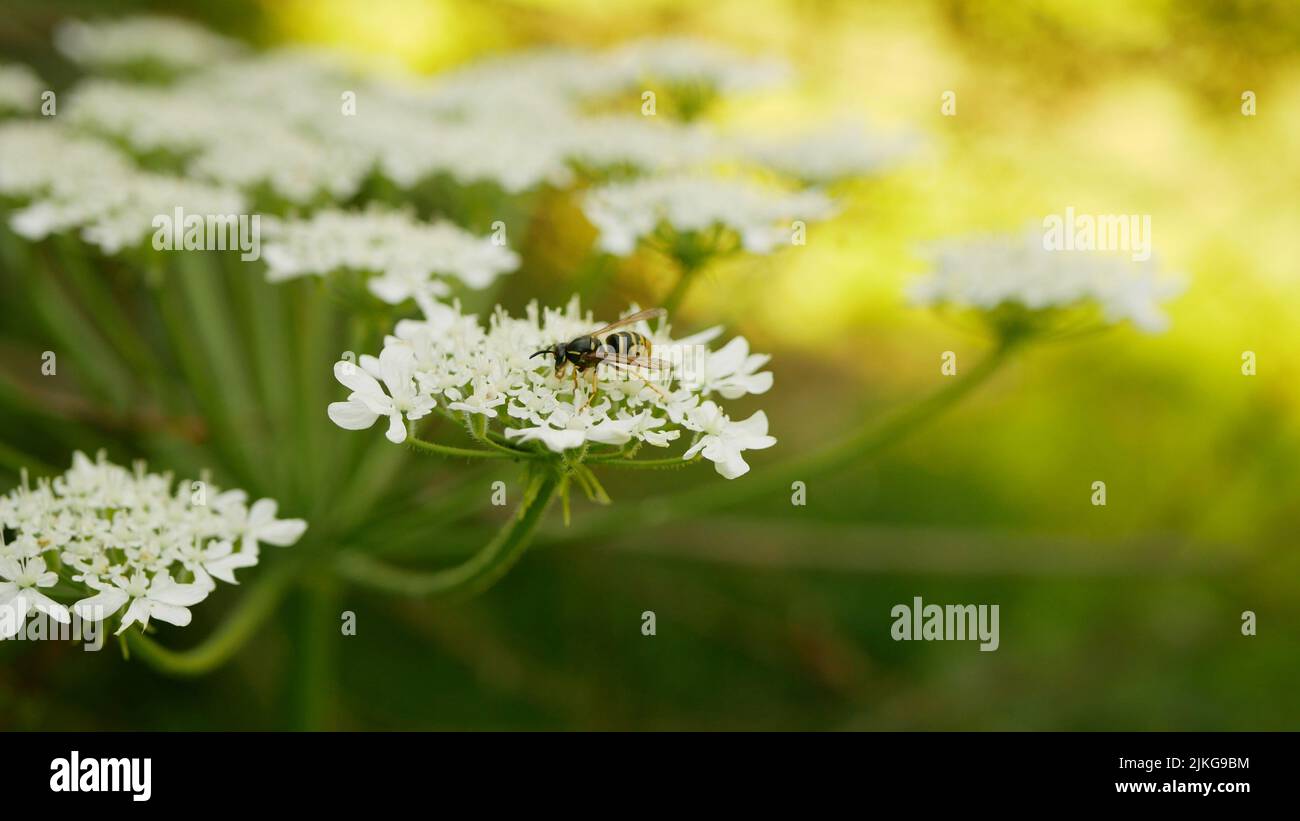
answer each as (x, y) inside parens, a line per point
(649, 313)
(610, 357)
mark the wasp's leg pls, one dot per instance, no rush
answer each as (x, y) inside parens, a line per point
(663, 394)
(594, 390)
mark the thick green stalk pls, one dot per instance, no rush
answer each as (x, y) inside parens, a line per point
(318, 631)
(674, 298)
(477, 573)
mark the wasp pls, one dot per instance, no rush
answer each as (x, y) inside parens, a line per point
(619, 347)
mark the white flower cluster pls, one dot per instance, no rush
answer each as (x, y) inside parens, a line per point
(163, 41)
(236, 142)
(561, 75)
(275, 120)
(826, 156)
(989, 271)
(20, 89)
(76, 183)
(294, 129)
(625, 213)
(450, 359)
(404, 254)
(130, 539)
(688, 61)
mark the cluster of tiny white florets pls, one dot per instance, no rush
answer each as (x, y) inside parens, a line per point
(822, 157)
(129, 538)
(762, 218)
(404, 254)
(987, 272)
(237, 129)
(449, 360)
(74, 183)
(162, 41)
(687, 61)
(20, 89)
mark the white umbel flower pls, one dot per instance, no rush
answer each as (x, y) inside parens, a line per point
(20, 90)
(822, 157)
(690, 61)
(625, 213)
(129, 539)
(164, 41)
(490, 372)
(404, 253)
(40, 157)
(988, 272)
(75, 183)
(639, 143)
(515, 154)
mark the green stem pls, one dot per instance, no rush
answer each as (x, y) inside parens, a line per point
(856, 449)
(478, 431)
(318, 630)
(254, 608)
(464, 453)
(669, 463)
(678, 293)
(477, 573)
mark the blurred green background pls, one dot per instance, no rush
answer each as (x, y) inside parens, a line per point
(777, 617)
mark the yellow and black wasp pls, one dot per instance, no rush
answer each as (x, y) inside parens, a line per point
(618, 347)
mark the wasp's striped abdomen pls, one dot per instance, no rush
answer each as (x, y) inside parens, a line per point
(629, 344)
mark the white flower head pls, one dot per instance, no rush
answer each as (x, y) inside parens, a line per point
(504, 376)
(405, 255)
(761, 218)
(836, 153)
(20, 89)
(128, 538)
(989, 272)
(164, 41)
(75, 183)
(684, 61)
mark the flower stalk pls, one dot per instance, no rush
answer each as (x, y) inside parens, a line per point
(856, 449)
(477, 573)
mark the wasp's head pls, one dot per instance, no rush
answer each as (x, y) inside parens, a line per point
(556, 351)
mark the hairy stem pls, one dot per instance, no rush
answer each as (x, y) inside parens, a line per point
(668, 463)
(464, 453)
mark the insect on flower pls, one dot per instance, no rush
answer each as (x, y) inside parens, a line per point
(619, 347)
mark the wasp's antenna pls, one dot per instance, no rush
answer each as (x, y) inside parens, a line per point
(540, 353)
